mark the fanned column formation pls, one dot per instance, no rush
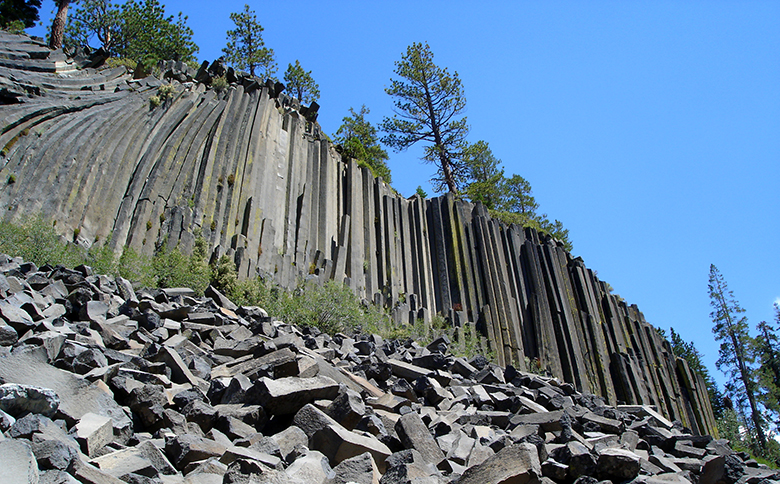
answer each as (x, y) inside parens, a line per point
(144, 162)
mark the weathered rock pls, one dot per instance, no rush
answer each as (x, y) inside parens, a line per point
(339, 444)
(187, 448)
(513, 464)
(617, 464)
(415, 435)
(54, 454)
(93, 432)
(312, 467)
(360, 469)
(286, 396)
(17, 462)
(17, 400)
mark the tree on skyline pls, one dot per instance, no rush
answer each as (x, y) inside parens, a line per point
(485, 178)
(429, 103)
(767, 347)
(359, 140)
(735, 355)
(245, 46)
(58, 24)
(24, 11)
(94, 19)
(301, 84)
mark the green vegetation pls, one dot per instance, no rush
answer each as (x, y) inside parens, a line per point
(735, 355)
(332, 307)
(220, 83)
(245, 46)
(748, 410)
(137, 30)
(359, 141)
(508, 199)
(301, 84)
(17, 15)
(429, 102)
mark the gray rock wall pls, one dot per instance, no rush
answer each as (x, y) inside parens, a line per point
(247, 171)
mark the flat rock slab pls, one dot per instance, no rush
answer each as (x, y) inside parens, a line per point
(516, 464)
(286, 396)
(77, 395)
(415, 435)
(17, 462)
(339, 444)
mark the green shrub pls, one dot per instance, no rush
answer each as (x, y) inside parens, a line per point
(15, 27)
(154, 101)
(331, 308)
(166, 92)
(128, 64)
(11, 179)
(136, 268)
(35, 240)
(220, 83)
(171, 268)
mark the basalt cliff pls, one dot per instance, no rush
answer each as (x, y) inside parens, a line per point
(248, 169)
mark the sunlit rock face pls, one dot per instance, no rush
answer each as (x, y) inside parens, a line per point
(138, 162)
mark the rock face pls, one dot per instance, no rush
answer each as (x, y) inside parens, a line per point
(163, 405)
(249, 169)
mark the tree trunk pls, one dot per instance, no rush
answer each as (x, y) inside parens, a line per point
(747, 380)
(58, 25)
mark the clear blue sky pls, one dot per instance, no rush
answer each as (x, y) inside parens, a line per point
(651, 129)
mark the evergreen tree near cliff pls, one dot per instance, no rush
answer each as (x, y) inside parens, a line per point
(511, 199)
(767, 346)
(429, 104)
(58, 24)
(301, 84)
(735, 353)
(23, 13)
(138, 31)
(358, 139)
(245, 46)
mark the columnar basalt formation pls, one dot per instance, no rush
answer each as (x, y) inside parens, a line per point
(249, 170)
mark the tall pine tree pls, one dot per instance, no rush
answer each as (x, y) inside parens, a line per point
(735, 354)
(767, 347)
(429, 103)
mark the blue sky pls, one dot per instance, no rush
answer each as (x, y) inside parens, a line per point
(651, 129)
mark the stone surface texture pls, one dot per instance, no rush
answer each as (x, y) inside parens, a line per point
(250, 170)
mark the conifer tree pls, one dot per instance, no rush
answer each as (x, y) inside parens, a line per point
(245, 47)
(767, 346)
(22, 12)
(486, 181)
(359, 140)
(735, 355)
(301, 84)
(429, 102)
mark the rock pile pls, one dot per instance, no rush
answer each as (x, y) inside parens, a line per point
(101, 384)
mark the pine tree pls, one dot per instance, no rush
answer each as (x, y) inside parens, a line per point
(358, 138)
(301, 84)
(246, 49)
(21, 12)
(767, 347)
(428, 104)
(486, 181)
(58, 24)
(735, 355)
